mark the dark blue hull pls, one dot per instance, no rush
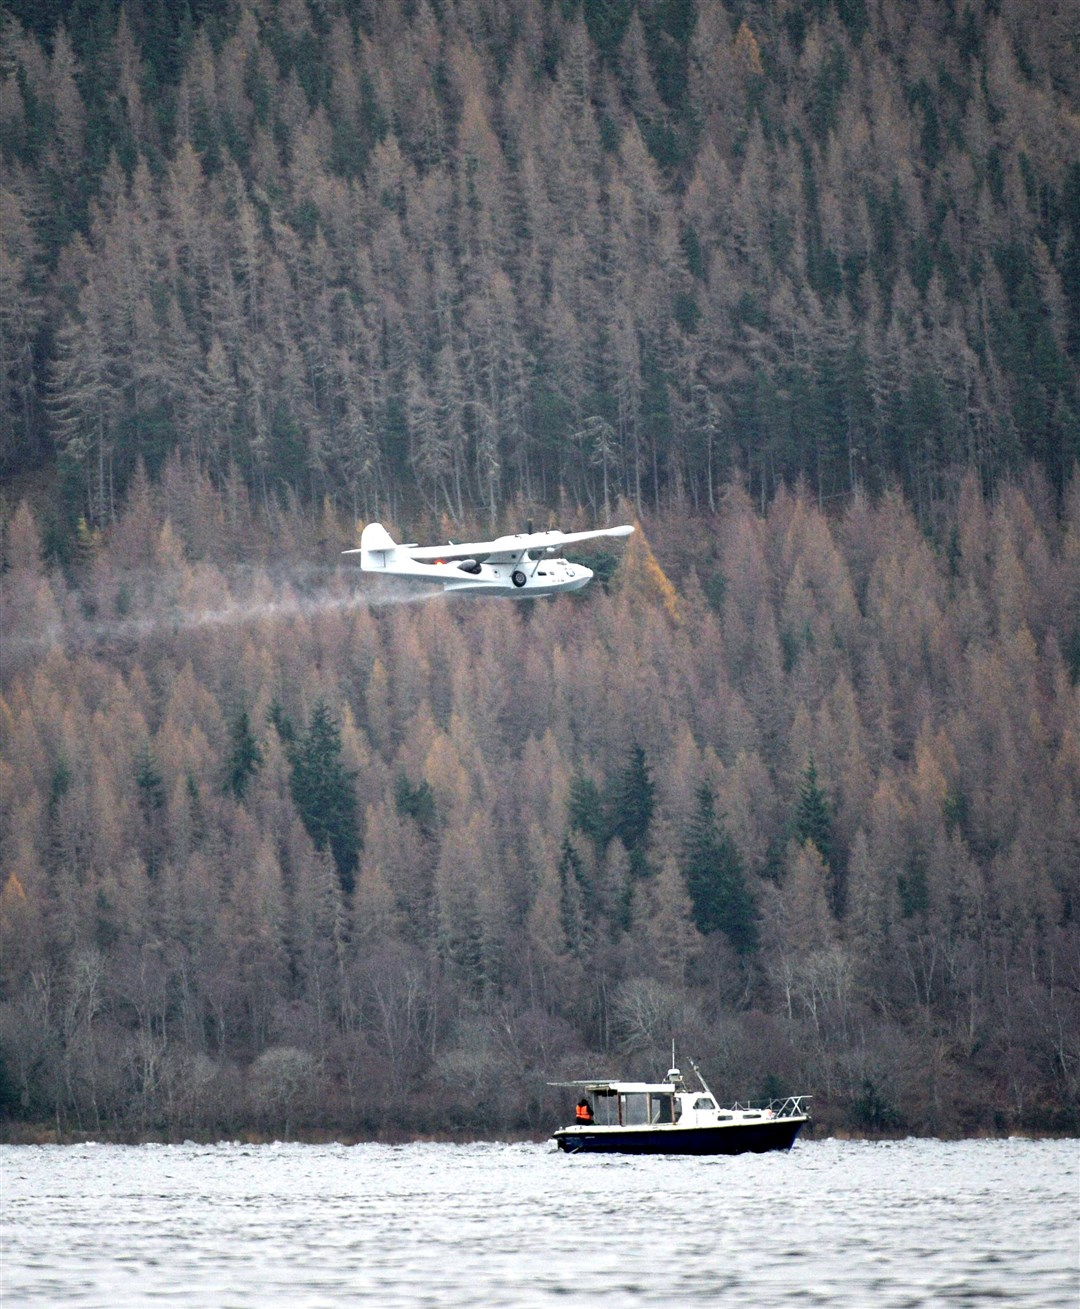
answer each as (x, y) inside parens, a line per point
(742, 1138)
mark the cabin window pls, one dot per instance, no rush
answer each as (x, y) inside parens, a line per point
(606, 1109)
(704, 1102)
(635, 1109)
(661, 1106)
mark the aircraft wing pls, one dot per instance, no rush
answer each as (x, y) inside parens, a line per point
(506, 548)
(568, 538)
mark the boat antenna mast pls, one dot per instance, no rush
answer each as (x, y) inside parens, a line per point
(698, 1074)
(673, 1075)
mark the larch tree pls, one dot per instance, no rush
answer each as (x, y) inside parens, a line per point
(668, 925)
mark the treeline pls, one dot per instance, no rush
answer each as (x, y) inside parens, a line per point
(450, 255)
(283, 851)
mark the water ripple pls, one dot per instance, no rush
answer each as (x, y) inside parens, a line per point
(842, 1224)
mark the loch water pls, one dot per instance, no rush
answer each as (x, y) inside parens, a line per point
(836, 1223)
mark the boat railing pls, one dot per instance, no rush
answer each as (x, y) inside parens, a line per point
(795, 1106)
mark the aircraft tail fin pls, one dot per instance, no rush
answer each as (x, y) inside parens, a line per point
(377, 547)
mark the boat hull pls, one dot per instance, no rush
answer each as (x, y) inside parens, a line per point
(736, 1138)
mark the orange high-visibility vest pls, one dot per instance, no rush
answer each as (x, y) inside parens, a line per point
(584, 1113)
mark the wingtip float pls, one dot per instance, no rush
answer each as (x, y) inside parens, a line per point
(524, 565)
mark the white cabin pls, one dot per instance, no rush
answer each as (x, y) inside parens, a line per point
(666, 1103)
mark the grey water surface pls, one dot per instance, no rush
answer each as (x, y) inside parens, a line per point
(832, 1223)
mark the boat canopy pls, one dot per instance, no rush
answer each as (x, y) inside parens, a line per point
(609, 1086)
(629, 1088)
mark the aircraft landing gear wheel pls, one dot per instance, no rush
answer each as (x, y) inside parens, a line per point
(517, 577)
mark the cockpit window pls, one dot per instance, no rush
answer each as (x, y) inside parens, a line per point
(704, 1102)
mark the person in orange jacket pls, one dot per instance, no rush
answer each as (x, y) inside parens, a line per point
(584, 1112)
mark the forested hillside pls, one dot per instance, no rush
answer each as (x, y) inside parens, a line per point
(453, 254)
(285, 851)
(796, 781)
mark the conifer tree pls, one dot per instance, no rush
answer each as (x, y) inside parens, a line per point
(149, 780)
(813, 817)
(416, 802)
(322, 788)
(245, 757)
(632, 801)
(585, 810)
(715, 878)
(576, 897)
(813, 823)
(152, 797)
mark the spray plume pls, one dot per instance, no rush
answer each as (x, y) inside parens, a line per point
(75, 630)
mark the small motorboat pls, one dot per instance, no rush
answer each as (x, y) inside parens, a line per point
(669, 1118)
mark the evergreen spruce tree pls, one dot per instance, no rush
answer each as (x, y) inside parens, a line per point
(813, 823)
(282, 724)
(715, 878)
(576, 894)
(322, 789)
(585, 810)
(149, 780)
(632, 802)
(151, 786)
(245, 758)
(416, 802)
(813, 816)
(60, 784)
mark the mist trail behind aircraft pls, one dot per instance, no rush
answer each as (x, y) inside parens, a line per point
(79, 632)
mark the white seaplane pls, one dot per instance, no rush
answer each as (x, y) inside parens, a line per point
(521, 565)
